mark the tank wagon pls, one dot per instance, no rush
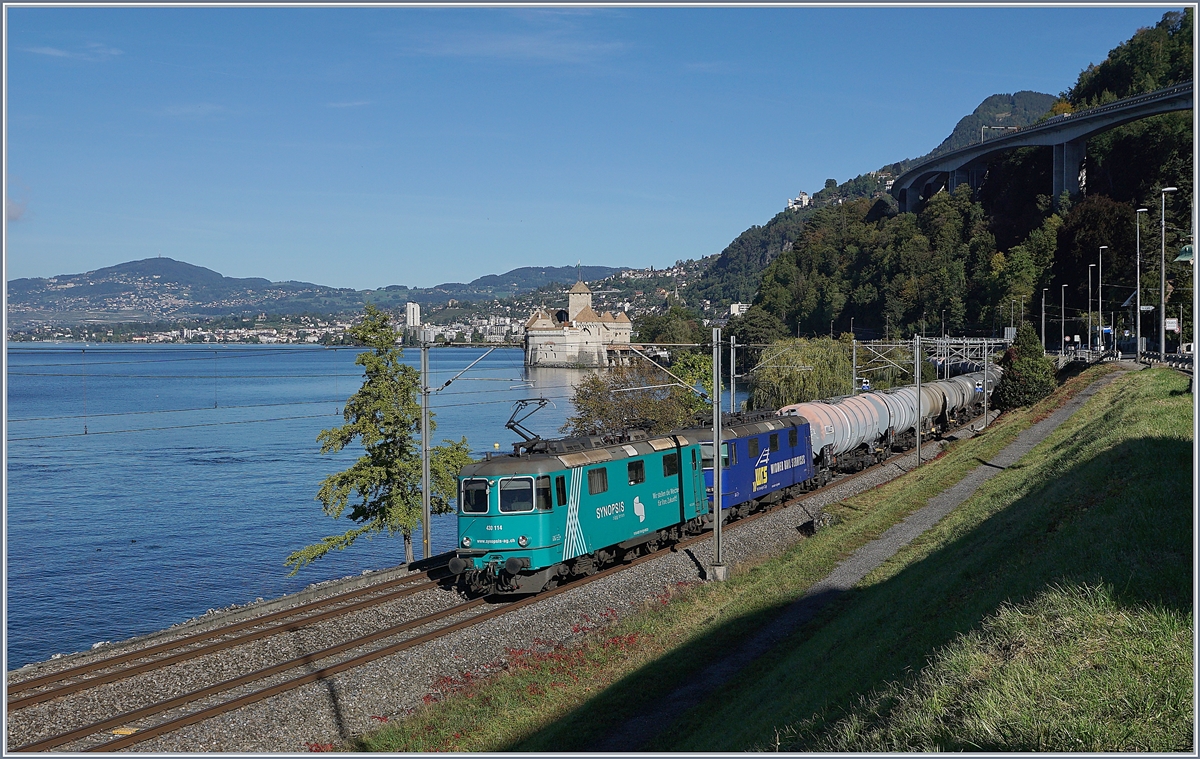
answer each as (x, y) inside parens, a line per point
(564, 508)
(854, 432)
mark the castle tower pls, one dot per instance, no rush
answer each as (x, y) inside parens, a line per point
(579, 298)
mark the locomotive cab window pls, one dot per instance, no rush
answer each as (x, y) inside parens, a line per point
(774, 442)
(542, 493)
(671, 464)
(753, 444)
(474, 498)
(792, 437)
(706, 455)
(597, 481)
(637, 472)
(516, 494)
(560, 487)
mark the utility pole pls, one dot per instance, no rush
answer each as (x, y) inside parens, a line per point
(917, 374)
(1091, 340)
(987, 363)
(425, 515)
(732, 375)
(1100, 300)
(1062, 323)
(1044, 289)
(853, 365)
(853, 359)
(719, 570)
(1162, 280)
(1137, 351)
(944, 351)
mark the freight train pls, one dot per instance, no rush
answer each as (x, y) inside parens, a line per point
(557, 509)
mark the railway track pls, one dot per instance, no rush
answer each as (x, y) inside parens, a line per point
(239, 691)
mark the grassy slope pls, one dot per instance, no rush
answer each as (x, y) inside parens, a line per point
(560, 699)
(1051, 611)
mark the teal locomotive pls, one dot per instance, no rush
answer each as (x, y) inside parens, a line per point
(555, 509)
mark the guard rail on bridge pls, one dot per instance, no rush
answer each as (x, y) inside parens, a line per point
(1184, 361)
(1067, 133)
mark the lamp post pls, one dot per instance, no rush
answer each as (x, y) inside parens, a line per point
(1044, 290)
(1091, 341)
(1100, 298)
(1162, 279)
(1062, 323)
(1137, 220)
(1012, 313)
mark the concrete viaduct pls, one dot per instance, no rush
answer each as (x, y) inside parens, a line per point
(1067, 133)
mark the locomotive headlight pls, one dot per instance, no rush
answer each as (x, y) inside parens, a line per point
(466, 542)
(522, 541)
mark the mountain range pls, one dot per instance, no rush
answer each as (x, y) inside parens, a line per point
(155, 289)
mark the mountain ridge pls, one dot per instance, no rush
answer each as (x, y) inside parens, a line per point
(153, 289)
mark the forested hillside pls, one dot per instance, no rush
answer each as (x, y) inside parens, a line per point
(976, 259)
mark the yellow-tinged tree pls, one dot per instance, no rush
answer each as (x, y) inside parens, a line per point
(381, 491)
(641, 395)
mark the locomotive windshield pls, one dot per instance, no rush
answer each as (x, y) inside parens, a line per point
(516, 494)
(706, 454)
(475, 497)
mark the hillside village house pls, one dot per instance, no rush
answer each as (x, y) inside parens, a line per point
(577, 336)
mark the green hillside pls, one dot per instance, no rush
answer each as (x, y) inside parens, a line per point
(978, 258)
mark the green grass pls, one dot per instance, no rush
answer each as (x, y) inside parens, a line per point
(557, 699)
(1071, 670)
(1101, 510)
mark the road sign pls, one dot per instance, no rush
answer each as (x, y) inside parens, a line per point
(1172, 325)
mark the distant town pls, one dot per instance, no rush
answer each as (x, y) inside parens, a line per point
(630, 292)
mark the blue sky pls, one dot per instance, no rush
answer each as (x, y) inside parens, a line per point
(362, 147)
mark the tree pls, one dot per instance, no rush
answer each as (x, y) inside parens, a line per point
(799, 369)
(382, 489)
(1028, 373)
(606, 403)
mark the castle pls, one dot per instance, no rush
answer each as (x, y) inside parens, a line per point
(577, 336)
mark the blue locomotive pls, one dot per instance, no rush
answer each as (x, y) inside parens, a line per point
(765, 458)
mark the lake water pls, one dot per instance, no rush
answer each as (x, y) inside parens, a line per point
(197, 474)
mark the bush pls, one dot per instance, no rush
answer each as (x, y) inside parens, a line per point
(1028, 373)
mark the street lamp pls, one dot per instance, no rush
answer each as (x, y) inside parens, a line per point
(1137, 220)
(1091, 340)
(1062, 337)
(1100, 300)
(1044, 290)
(1162, 279)
(1012, 313)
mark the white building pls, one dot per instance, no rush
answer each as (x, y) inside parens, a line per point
(412, 314)
(577, 336)
(737, 309)
(800, 201)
